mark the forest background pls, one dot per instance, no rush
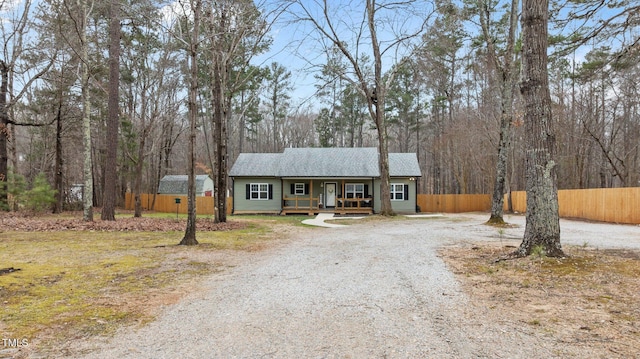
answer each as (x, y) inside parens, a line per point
(280, 86)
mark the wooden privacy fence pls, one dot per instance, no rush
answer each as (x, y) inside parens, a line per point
(615, 205)
(454, 203)
(167, 203)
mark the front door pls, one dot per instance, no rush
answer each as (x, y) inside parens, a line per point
(330, 194)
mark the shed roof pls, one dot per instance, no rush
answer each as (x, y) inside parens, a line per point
(177, 184)
(323, 162)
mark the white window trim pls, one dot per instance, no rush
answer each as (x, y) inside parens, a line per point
(299, 189)
(394, 192)
(259, 191)
(354, 191)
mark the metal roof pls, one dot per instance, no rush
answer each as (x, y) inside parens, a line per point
(323, 162)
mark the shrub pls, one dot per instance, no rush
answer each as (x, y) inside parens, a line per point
(15, 188)
(38, 199)
(41, 196)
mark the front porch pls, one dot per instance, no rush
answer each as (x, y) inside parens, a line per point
(313, 206)
(327, 195)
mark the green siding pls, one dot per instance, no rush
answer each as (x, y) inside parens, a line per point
(398, 206)
(303, 199)
(240, 203)
(282, 188)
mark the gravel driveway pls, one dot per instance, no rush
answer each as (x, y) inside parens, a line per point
(369, 290)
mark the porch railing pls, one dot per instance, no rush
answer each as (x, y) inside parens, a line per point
(300, 202)
(354, 203)
(313, 203)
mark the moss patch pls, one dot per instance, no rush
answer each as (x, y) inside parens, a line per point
(74, 284)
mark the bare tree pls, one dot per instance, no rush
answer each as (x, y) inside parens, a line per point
(87, 206)
(543, 223)
(330, 26)
(15, 48)
(237, 31)
(598, 21)
(192, 51)
(113, 116)
(503, 62)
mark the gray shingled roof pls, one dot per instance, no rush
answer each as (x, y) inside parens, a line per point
(177, 184)
(404, 165)
(256, 165)
(323, 162)
(329, 162)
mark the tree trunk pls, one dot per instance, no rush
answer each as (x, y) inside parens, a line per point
(137, 186)
(58, 178)
(220, 113)
(376, 103)
(383, 145)
(87, 167)
(506, 81)
(87, 194)
(113, 117)
(4, 135)
(504, 144)
(190, 231)
(543, 225)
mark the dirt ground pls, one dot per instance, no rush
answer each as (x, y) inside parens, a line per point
(590, 299)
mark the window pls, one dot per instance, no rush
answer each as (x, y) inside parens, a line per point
(299, 188)
(354, 190)
(398, 192)
(259, 191)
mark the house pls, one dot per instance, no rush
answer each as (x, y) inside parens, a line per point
(313, 180)
(177, 185)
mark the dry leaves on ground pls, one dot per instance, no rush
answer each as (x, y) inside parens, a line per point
(17, 222)
(590, 299)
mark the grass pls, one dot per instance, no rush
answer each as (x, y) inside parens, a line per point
(62, 274)
(78, 283)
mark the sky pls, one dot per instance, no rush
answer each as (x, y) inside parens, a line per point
(299, 47)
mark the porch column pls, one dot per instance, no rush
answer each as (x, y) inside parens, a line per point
(311, 194)
(373, 199)
(343, 195)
